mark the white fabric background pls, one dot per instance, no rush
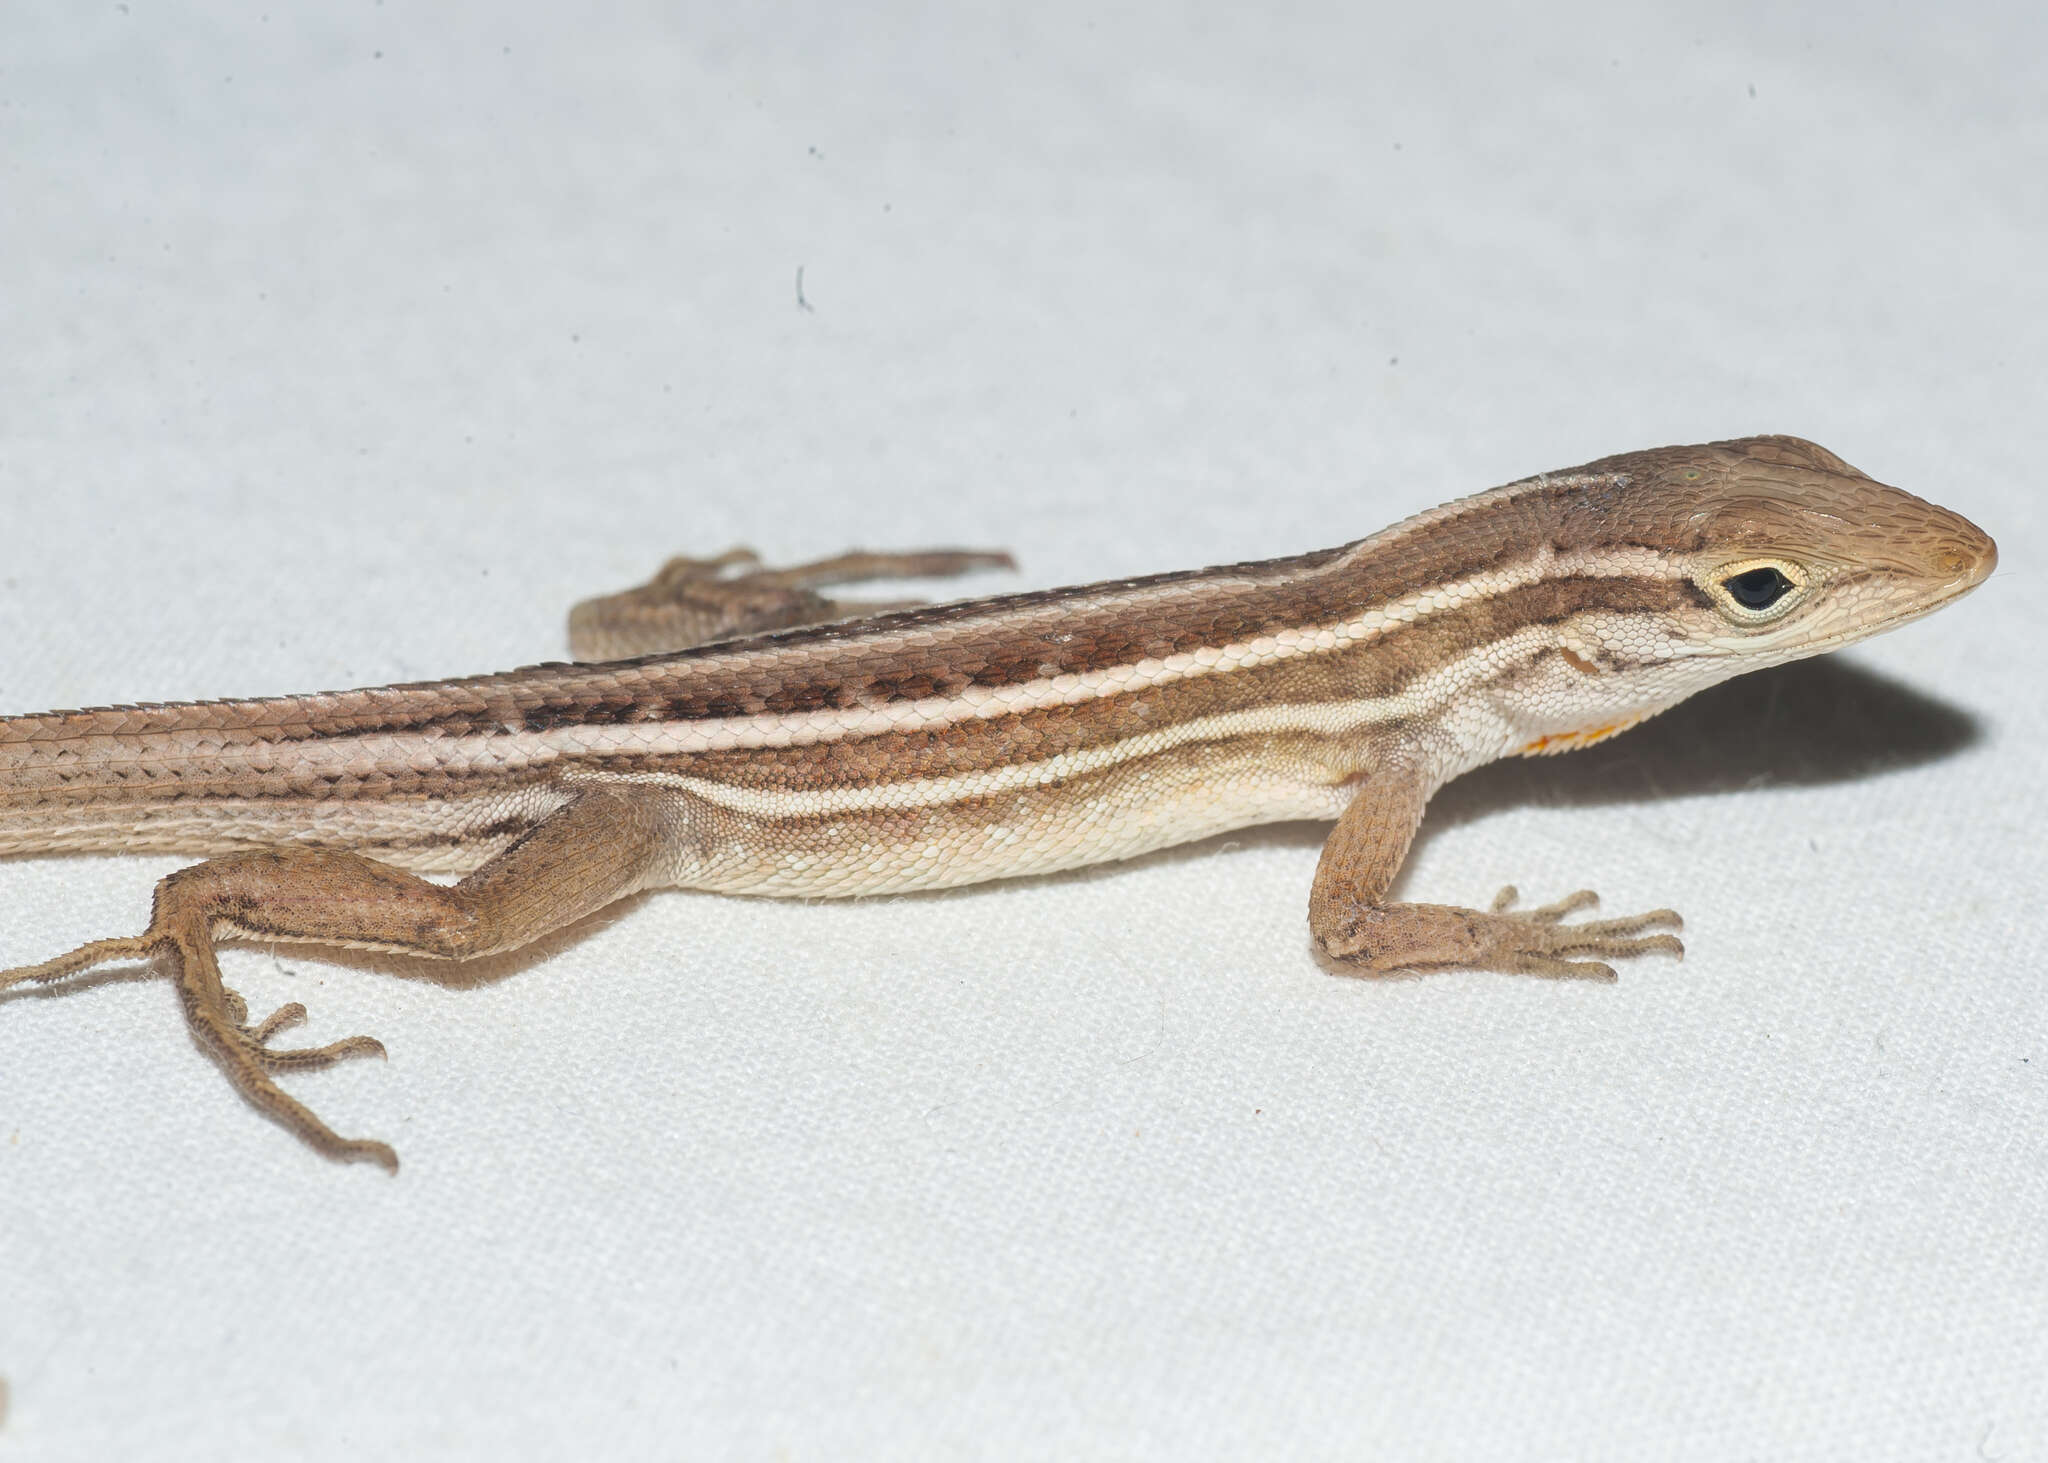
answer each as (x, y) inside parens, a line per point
(350, 343)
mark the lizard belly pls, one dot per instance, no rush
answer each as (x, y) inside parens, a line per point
(895, 838)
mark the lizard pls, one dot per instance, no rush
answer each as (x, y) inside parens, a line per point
(731, 728)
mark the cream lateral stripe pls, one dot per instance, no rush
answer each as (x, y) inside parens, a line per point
(380, 754)
(1323, 718)
(366, 755)
(988, 702)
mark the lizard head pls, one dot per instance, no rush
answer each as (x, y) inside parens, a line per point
(1778, 549)
(1796, 552)
(1724, 558)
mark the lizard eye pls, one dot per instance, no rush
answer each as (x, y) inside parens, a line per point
(1757, 589)
(1757, 592)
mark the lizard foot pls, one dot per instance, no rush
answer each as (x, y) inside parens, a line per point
(1537, 941)
(219, 1019)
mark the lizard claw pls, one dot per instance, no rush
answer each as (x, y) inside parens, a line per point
(282, 1019)
(1535, 941)
(254, 1040)
(1548, 914)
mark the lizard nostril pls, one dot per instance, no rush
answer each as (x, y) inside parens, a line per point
(1966, 552)
(1971, 558)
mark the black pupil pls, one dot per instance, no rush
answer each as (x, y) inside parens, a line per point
(1758, 589)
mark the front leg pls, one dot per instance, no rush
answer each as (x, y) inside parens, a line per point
(1352, 925)
(599, 848)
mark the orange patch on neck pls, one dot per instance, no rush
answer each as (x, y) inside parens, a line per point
(1571, 741)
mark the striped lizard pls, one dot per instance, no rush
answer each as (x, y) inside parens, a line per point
(729, 728)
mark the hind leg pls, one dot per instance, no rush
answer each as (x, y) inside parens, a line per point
(599, 848)
(699, 601)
